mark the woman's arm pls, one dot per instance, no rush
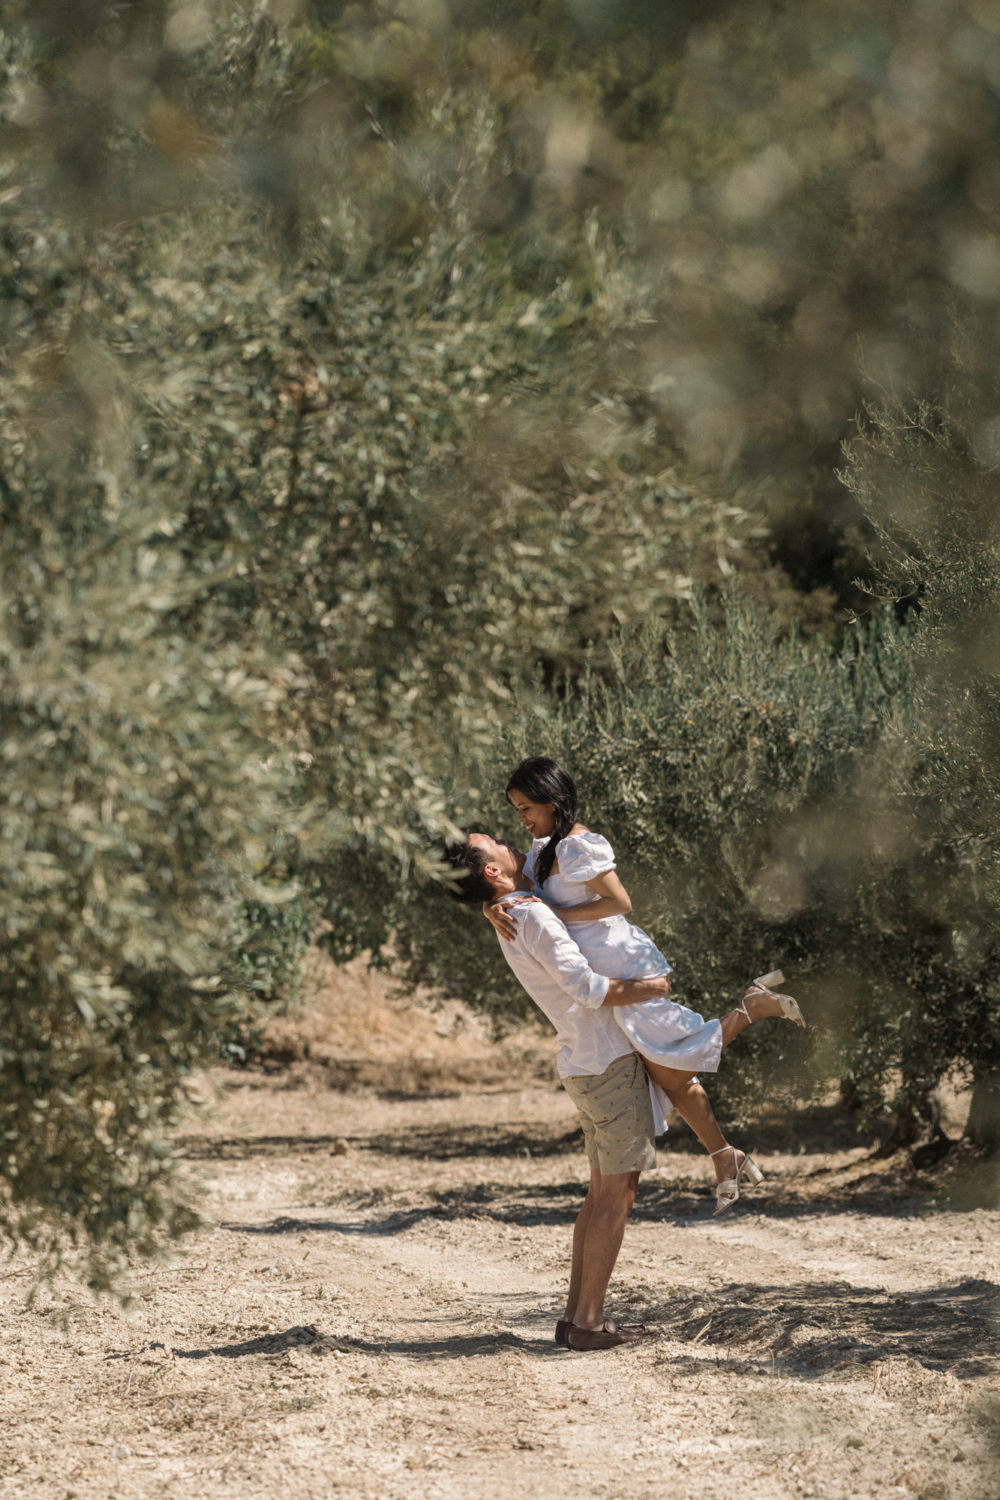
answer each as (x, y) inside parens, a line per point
(497, 914)
(612, 900)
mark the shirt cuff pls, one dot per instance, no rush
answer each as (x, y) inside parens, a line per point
(598, 993)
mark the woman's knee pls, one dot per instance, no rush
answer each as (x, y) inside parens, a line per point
(686, 1087)
(671, 1080)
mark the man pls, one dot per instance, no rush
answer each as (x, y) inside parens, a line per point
(601, 1073)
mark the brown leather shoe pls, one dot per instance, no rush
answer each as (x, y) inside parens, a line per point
(608, 1337)
(563, 1326)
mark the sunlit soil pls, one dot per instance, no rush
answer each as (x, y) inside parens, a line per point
(372, 1313)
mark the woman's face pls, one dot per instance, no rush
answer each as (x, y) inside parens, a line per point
(539, 818)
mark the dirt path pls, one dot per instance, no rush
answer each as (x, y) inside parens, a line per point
(377, 1320)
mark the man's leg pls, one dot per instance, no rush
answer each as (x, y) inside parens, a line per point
(601, 1235)
(617, 1120)
(579, 1241)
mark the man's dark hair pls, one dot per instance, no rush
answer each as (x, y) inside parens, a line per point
(470, 862)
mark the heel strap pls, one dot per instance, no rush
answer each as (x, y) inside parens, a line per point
(742, 1007)
(721, 1149)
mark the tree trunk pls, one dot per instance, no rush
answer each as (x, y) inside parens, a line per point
(918, 1116)
(850, 1096)
(983, 1129)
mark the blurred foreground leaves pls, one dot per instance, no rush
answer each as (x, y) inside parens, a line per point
(285, 518)
(379, 385)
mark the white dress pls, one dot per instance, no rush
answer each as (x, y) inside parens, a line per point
(660, 1030)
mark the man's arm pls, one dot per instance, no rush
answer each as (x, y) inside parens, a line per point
(550, 944)
(632, 991)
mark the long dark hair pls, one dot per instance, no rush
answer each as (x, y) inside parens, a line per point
(543, 780)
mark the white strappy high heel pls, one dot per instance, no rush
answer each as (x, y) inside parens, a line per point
(789, 1007)
(728, 1191)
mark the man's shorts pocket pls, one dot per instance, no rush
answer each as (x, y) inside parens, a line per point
(617, 1116)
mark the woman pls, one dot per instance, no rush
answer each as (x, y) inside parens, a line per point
(574, 871)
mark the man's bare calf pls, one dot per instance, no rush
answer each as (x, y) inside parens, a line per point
(597, 1239)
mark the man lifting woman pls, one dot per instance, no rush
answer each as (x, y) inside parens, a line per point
(627, 1052)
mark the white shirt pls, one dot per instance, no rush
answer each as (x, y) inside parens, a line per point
(561, 982)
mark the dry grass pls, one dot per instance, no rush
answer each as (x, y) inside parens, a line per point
(354, 1029)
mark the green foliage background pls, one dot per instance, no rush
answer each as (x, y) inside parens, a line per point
(390, 390)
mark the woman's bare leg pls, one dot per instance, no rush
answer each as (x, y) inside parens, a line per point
(692, 1104)
(689, 1098)
(758, 1004)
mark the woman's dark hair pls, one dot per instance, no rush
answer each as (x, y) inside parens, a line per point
(543, 780)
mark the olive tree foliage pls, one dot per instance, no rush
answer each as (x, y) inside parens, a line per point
(925, 474)
(286, 517)
(730, 763)
(770, 812)
(776, 802)
(420, 452)
(139, 797)
(358, 361)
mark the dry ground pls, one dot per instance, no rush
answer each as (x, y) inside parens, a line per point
(371, 1313)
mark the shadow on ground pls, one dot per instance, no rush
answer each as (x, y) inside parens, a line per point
(420, 1143)
(886, 1192)
(810, 1328)
(432, 1345)
(804, 1329)
(818, 1129)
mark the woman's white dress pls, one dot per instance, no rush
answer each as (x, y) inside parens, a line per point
(660, 1030)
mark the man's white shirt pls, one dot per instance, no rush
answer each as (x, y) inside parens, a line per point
(561, 982)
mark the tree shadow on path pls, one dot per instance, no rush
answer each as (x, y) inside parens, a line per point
(813, 1328)
(804, 1329)
(316, 1341)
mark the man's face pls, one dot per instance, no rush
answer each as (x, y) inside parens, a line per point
(500, 855)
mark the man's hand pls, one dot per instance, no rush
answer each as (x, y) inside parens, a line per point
(634, 991)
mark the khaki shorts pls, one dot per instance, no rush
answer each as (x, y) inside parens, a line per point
(617, 1116)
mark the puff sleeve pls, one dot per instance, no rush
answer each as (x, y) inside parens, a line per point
(584, 856)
